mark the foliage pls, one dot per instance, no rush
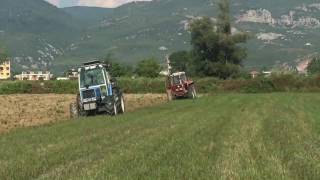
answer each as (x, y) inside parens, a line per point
(116, 69)
(148, 68)
(275, 83)
(314, 66)
(37, 87)
(216, 49)
(181, 61)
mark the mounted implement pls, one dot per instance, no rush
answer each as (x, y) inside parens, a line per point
(98, 92)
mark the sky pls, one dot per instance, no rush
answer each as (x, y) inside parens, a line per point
(96, 3)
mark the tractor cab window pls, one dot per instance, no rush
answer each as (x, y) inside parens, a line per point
(175, 80)
(183, 77)
(179, 79)
(91, 77)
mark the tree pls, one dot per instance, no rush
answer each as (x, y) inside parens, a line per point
(148, 68)
(215, 48)
(118, 70)
(181, 61)
(314, 66)
(115, 69)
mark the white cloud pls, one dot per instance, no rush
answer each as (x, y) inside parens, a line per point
(54, 2)
(105, 3)
(96, 3)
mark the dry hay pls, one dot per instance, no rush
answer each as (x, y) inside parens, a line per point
(32, 110)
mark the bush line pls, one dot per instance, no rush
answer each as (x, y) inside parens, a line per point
(275, 83)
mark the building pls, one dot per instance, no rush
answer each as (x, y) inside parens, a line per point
(5, 70)
(62, 79)
(72, 74)
(34, 76)
(266, 73)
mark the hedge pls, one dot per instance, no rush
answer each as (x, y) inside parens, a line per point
(275, 83)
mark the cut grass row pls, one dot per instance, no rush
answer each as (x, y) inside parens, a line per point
(234, 136)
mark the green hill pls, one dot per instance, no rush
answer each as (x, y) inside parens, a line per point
(267, 136)
(68, 36)
(35, 32)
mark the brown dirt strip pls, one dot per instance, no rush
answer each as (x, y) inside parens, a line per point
(18, 111)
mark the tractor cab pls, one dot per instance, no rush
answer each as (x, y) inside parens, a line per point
(98, 91)
(94, 83)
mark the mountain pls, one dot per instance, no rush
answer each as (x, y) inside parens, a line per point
(282, 31)
(88, 15)
(35, 32)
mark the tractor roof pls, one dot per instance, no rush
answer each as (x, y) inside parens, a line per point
(178, 73)
(92, 63)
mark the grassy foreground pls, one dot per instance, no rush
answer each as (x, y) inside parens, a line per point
(234, 136)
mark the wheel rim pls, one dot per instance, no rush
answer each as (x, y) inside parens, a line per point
(122, 104)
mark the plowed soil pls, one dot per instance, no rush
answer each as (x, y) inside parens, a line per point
(31, 110)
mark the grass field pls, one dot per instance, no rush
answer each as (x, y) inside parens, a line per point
(233, 136)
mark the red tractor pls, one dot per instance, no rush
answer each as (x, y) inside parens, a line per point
(179, 86)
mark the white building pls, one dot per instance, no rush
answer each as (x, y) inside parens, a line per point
(72, 74)
(5, 70)
(34, 76)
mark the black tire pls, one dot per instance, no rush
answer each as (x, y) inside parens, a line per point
(81, 111)
(192, 94)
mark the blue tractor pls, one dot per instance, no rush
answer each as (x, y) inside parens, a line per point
(98, 92)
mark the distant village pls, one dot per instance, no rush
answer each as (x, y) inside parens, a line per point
(6, 74)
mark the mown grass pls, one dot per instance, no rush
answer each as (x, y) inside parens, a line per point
(234, 136)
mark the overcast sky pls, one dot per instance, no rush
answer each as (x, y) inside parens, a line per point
(96, 3)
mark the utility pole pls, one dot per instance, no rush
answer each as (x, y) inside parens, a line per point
(168, 65)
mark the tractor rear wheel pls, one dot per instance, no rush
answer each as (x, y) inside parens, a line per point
(192, 94)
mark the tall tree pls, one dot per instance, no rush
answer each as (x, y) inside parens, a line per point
(116, 69)
(216, 49)
(181, 61)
